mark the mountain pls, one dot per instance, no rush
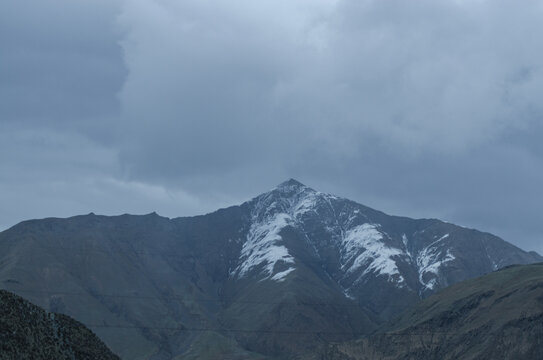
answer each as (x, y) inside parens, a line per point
(277, 276)
(497, 316)
(29, 332)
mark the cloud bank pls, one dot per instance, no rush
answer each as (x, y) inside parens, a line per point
(421, 108)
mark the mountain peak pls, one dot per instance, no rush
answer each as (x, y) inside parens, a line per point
(290, 183)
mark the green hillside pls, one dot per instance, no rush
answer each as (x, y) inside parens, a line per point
(497, 316)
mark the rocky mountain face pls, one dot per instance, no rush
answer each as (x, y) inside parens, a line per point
(497, 316)
(29, 332)
(277, 276)
(366, 252)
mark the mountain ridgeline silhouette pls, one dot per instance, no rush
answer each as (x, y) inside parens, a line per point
(278, 276)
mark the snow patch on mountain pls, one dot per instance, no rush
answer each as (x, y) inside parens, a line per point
(291, 198)
(305, 205)
(430, 260)
(280, 276)
(284, 206)
(442, 238)
(363, 246)
(262, 248)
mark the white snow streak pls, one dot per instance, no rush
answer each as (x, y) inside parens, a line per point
(364, 244)
(272, 213)
(280, 276)
(430, 260)
(307, 204)
(443, 237)
(261, 246)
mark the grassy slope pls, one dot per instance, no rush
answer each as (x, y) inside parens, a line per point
(498, 316)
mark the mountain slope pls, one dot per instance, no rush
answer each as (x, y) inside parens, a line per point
(277, 276)
(363, 249)
(497, 316)
(29, 332)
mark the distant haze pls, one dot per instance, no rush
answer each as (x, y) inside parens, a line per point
(420, 108)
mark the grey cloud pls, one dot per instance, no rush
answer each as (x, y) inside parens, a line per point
(419, 108)
(402, 103)
(61, 63)
(422, 76)
(199, 99)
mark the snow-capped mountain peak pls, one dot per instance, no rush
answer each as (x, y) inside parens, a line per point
(354, 244)
(264, 248)
(361, 248)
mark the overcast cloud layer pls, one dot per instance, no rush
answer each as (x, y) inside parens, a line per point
(421, 108)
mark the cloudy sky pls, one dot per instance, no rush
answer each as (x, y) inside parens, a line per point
(422, 108)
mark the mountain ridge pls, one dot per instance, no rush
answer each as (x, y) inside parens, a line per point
(329, 264)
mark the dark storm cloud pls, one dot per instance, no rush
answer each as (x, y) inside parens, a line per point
(420, 108)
